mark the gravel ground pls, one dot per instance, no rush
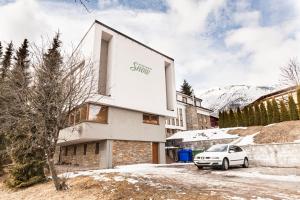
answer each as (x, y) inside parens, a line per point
(170, 182)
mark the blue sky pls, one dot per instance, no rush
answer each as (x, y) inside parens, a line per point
(214, 43)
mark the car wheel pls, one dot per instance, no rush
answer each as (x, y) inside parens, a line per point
(200, 167)
(246, 163)
(225, 164)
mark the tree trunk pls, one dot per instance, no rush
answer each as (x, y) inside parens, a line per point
(55, 178)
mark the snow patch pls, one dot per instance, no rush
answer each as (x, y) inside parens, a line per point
(245, 140)
(207, 134)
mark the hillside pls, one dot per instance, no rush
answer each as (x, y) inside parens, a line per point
(274, 133)
(232, 96)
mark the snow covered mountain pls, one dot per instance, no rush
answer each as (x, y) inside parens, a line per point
(232, 96)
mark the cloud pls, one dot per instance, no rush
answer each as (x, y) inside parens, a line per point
(214, 43)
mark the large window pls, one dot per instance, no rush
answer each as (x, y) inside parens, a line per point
(89, 112)
(150, 119)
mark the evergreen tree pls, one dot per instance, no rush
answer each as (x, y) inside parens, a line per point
(240, 121)
(225, 119)
(264, 115)
(284, 114)
(232, 121)
(28, 158)
(293, 109)
(6, 62)
(276, 113)
(298, 99)
(251, 116)
(186, 88)
(221, 120)
(1, 51)
(257, 118)
(270, 112)
(245, 113)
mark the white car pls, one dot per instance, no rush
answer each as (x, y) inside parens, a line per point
(223, 155)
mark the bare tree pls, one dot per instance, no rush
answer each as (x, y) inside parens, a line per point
(291, 73)
(83, 3)
(60, 85)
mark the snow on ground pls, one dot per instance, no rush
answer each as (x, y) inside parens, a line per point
(245, 140)
(207, 134)
(289, 178)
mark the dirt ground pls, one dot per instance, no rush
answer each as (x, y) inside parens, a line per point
(274, 133)
(173, 182)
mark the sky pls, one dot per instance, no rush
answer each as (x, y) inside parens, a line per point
(214, 42)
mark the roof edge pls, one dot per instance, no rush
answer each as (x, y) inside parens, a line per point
(128, 37)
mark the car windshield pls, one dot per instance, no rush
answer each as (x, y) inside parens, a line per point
(217, 148)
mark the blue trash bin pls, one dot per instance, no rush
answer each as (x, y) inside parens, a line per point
(185, 155)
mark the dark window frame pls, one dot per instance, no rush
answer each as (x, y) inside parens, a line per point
(97, 148)
(84, 149)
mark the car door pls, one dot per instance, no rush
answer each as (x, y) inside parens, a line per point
(240, 155)
(232, 155)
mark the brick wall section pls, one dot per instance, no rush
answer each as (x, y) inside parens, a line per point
(131, 152)
(89, 160)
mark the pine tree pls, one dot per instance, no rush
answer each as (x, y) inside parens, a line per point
(293, 109)
(239, 117)
(284, 114)
(245, 113)
(298, 99)
(251, 116)
(225, 119)
(186, 88)
(6, 62)
(264, 115)
(232, 118)
(20, 72)
(257, 116)
(220, 119)
(270, 112)
(276, 113)
(1, 51)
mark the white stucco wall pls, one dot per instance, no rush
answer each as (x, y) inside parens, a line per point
(122, 125)
(274, 155)
(131, 89)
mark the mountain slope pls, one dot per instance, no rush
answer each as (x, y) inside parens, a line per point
(232, 96)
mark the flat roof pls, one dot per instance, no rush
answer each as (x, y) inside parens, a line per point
(130, 38)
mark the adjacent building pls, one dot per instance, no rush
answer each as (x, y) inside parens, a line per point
(279, 95)
(190, 115)
(125, 123)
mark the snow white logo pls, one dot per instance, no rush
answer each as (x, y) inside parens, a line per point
(140, 68)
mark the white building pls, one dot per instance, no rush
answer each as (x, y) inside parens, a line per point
(125, 124)
(190, 115)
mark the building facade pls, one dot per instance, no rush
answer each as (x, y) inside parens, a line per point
(125, 122)
(190, 115)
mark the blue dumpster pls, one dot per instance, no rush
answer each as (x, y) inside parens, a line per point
(185, 155)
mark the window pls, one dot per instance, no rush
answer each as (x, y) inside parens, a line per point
(71, 119)
(180, 117)
(173, 121)
(184, 99)
(84, 149)
(177, 122)
(104, 62)
(98, 113)
(150, 119)
(66, 151)
(74, 150)
(97, 148)
(83, 113)
(77, 116)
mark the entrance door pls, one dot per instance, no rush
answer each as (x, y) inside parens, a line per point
(154, 152)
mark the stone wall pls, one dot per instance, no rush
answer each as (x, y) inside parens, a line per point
(191, 118)
(274, 155)
(131, 152)
(203, 121)
(91, 159)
